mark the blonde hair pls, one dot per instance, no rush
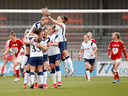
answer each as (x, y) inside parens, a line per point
(117, 34)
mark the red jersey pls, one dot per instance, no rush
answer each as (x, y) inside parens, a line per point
(16, 46)
(93, 40)
(116, 50)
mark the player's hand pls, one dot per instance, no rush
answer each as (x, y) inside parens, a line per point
(3, 53)
(126, 59)
(109, 57)
(79, 55)
(96, 57)
(92, 54)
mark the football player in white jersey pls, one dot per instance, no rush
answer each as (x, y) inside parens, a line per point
(36, 59)
(46, 66)
(54, 56)
(60, 30)
(39, 25)
(89, 48)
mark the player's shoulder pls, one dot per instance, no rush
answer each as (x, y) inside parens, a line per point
(121, 41)
(19, 40)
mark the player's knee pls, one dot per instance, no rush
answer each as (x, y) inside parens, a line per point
(57, 68)
(52, 71)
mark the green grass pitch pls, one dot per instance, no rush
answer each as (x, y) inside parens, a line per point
(71, 86)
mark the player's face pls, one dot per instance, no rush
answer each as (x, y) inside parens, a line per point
(85, 38)
(44, 22)
(42, 34)
(51, 31)
(59, 19)
(113, 36)
(12, 37)
(45, 33)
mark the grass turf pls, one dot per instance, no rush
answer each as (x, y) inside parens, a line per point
(71, 86)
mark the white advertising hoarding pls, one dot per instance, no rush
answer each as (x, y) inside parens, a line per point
(105, 68)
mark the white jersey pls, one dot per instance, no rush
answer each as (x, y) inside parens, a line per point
(61, 32)
(88, 49)
(46, 42)
(34, 50)
(53, 50)
(23, 49)
(38, 26)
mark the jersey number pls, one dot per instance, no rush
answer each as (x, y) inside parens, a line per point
(34, 49)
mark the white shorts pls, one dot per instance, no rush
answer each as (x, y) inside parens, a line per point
(114, 61)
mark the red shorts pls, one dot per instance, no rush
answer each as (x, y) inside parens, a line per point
(8, 57)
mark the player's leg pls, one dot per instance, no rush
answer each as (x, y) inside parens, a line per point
(36, 78)
(3, 66)
(69, 61)
(45, 64)
(87, 69)
(40, 71)
(113, 62)
(32, 70)
(26, 77)
(25, 58)
(53, 74)
(57, 66)
(16, 64)
(63, 47)
(65, 66)
(117, 63)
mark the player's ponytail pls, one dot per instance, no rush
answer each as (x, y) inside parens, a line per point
(65, 19)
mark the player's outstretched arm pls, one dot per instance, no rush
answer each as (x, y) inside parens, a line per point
(54, 21)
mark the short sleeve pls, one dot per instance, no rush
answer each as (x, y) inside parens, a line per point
(56, 38)
(93, 45)
(82, 46)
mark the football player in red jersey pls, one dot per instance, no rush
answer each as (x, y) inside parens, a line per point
(8, 56)
(115, 47)
(15, 44)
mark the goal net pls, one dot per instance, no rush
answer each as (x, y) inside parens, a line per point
(101, 23)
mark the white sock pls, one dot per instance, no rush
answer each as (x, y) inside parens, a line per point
(17, 67)
(29, 81)
(36, 77)
(58, 73)
(65, 65)
(88, 74)
(41, 79)
(32, 78)
(45, 77)
(70, 63)
(25, 59)
(54, 78)
(26, 77)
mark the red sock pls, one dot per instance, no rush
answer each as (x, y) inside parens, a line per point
(90, 71)
(2, 69)
(14, 70)
(117, 75)
(17, 73)
(36, 84)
